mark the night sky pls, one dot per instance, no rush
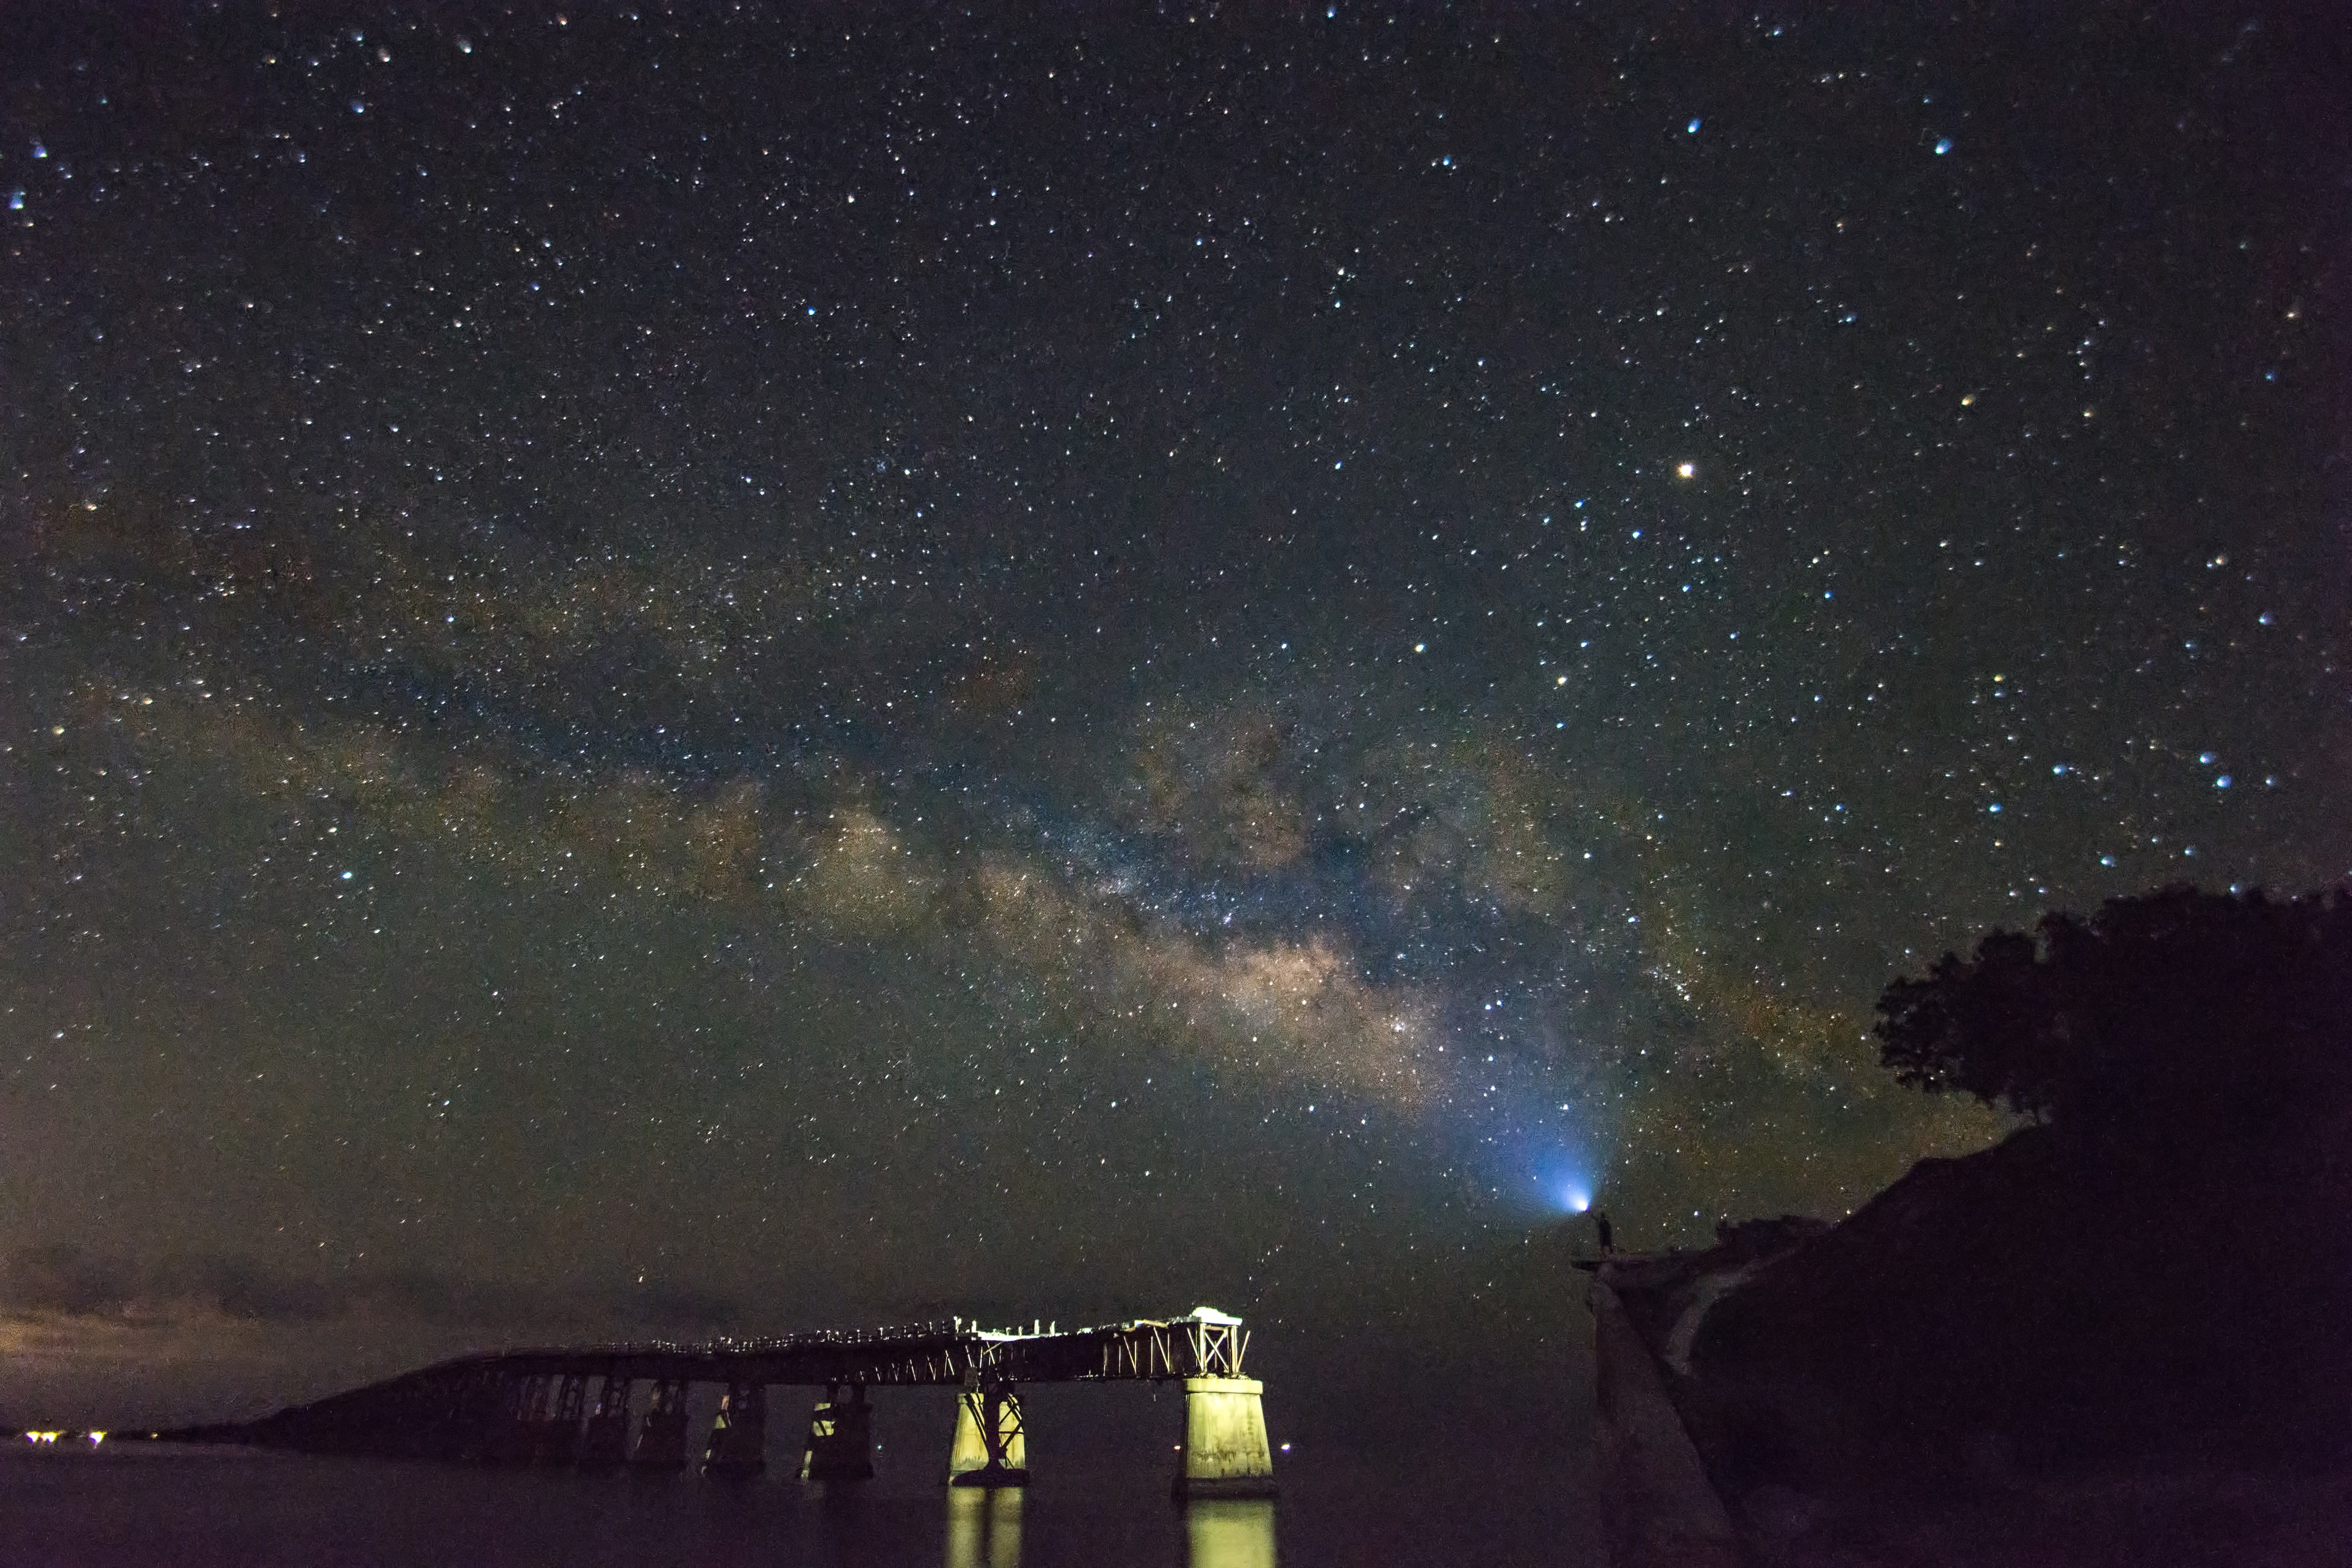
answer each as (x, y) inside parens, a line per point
(743, 668)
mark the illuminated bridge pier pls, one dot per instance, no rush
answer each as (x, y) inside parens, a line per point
(608, 1406)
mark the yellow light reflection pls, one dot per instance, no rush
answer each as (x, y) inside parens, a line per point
(1230, 1532)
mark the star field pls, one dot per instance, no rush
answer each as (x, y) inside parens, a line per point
(754, 666)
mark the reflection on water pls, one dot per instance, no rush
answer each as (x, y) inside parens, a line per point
(984, 1530)
(102, 1509)
(1231, 1532)
(984, 1527)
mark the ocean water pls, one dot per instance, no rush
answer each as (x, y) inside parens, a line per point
(146, 1504)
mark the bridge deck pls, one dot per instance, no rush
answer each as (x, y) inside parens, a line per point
(1205, 1344)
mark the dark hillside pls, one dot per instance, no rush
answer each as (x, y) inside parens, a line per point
(2054, 1305)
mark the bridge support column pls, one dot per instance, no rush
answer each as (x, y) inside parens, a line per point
(513, 1436)
(991, 1448)
(840, 1438)
(473, 1416)
(1225, 1450)
(738, 1438)
(604, 1441)
(559, 1434)
(661, 1442)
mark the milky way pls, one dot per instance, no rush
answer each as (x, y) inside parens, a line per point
(756, 668)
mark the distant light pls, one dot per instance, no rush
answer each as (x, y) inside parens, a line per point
(1692, 128)
(1420, 647)
(358, 106)
(1943, 145)
(1994, 808)
(2221, 782)
(2208, 758)
(1685, 470)
(347, 876)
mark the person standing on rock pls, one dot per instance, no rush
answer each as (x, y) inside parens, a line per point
(1608, 1236)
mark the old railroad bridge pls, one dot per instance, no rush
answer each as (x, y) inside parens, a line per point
(575, 1406)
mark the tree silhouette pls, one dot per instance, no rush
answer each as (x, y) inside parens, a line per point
(2168, 1014)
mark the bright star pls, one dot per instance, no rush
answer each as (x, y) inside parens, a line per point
(1685, 470)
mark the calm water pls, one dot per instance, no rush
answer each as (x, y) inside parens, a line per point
(146, 1505)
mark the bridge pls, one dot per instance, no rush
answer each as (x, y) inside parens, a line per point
(576, 1406)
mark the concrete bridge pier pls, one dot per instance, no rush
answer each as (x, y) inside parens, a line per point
(513, 1436)
(840, 1438)
(738, 1438)
(661, 1441)
(991, 1448)
(604, 1441)
(559, 1434)
(1226, 1450)
(473, 1420)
